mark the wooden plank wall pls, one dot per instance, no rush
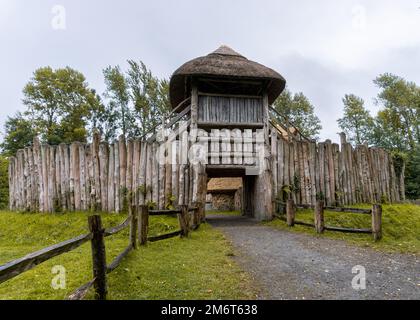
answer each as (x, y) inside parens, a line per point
(343, 175)
(230, 109)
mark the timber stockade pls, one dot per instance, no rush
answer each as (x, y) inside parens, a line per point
(222, 125)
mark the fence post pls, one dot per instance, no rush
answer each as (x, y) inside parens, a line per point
(377, 222)
(144, 224)
(98, 256)
(183, 221)
(196, 215)
(133, 225)
(290, 212)
(319, 216)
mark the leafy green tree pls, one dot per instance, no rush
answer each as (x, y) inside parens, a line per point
(19, 133)
(412, 174)
(137, 100)
(398, 123)
(299, 110)
(357, 123)
(60, 104)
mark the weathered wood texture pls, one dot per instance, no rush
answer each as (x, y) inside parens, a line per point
(162, 175)
(341, 176)
(216, 109)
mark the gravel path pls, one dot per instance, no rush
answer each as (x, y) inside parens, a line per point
(292, 265)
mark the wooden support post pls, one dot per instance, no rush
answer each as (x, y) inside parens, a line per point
(98, 256)
(184, 221)
(290, 212)
(196, 214)
(377, 222)
(134, 224)
(319, 216)
(201, 212)
(144, 224)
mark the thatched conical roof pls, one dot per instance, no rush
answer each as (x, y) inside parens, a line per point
(224, 63)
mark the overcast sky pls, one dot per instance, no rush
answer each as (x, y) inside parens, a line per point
(323, 48)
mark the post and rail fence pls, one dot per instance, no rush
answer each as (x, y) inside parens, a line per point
(319, 222)
(189, 219)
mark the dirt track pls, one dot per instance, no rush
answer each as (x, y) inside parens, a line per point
(291, 265)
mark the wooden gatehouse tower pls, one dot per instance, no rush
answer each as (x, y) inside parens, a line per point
(230, 98)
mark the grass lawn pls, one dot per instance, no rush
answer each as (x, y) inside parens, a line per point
(200, 267)
(400, 227)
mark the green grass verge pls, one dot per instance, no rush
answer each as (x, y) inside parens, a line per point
(400, 227)
(200, 267)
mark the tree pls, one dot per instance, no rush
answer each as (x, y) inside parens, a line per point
(19, 133)
(60, 104)
(298, 109)
(398, 124)
(117, 92)
(136, 99)
(412, 174)
(357, 123)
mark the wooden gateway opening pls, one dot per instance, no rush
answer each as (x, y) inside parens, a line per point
(231, 194)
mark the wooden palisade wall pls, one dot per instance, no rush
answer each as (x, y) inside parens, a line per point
(341, 175)
(98, 176)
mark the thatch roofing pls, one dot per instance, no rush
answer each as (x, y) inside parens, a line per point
(224, 63)
(224, 184)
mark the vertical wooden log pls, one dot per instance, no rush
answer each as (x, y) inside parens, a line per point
(130, 167)
(280, 164)
(194, 107)
(155, 175)
(175, 174)
(290, 212)
(104, 165)
(274, 159)
(162, 174)
(98, 256)
(111, 184)
(142, 174)
(136, 169)
(83, 175)
(377, 222)
(319, 216)
(183, 221)
(123, 171)
(337, 188)
(312, 170)
(97, 169)
(143, 224)
(134, 224)
(149, 167)
(117, 186)
(75, 161)
(286, 162)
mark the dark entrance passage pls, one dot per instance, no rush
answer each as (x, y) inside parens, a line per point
(223, 188)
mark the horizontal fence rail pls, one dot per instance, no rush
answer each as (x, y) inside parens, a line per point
(137, 221)
(16, 267)
(319, 225)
